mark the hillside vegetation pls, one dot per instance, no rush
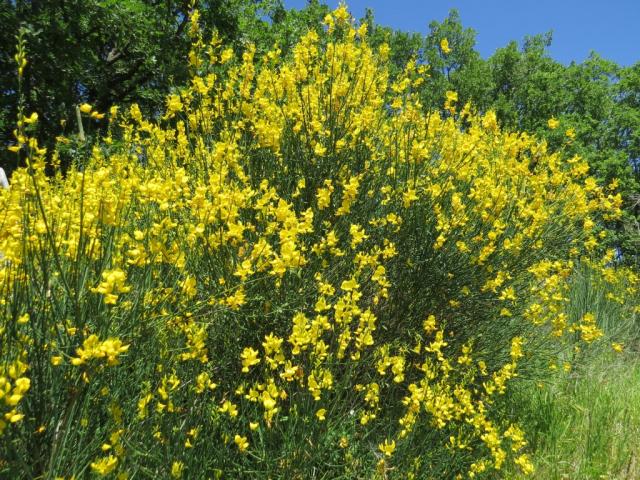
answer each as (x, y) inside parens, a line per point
(296, 270)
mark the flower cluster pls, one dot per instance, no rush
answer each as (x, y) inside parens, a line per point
(294, 254)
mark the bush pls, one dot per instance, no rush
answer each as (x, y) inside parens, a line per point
(294, 273)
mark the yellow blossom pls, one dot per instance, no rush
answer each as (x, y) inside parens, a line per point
(241, 442)
(33, 118)
(176, 469)
(105, 465)
(444, 46)
(249, 358)
(387, 447)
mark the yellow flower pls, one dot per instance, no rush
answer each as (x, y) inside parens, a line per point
(31, 119)
(387, 447)
(429, 324)
(113, 283)
(553, 123)
(319, 150)
(227, 55)
(241, 442)
(324, 195)
(249, 358)
(105, 465)
(516, 348)
(449, 104)
(525, 464)
(92, 348)
(618, 347)
(174, 104)
(321, 414)
(85, 108)
(341, 14)
(229, 408)
(176, 469)
(589, 331)
(444, 46)
(409, 197)
(357, 235)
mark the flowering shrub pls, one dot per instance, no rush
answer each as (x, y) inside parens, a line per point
(294, 272)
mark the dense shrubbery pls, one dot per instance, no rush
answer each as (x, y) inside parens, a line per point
(105, 53)
(295, 273)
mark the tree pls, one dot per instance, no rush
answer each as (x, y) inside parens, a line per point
(103, 52)
(267, 22)
(461, 69)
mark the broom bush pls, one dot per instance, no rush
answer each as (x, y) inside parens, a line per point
(292, 272)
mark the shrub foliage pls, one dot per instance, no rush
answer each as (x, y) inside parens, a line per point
(294, 273)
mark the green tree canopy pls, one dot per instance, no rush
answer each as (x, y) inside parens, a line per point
(103, 52)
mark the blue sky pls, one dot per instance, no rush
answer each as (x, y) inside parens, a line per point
(609, 27)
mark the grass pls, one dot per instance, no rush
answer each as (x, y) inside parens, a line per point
(585, 424)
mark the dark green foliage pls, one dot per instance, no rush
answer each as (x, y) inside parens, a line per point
(267, 23)
(103, 52)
